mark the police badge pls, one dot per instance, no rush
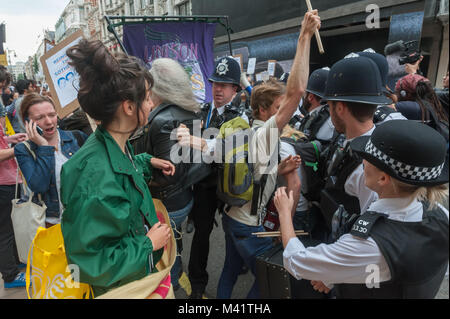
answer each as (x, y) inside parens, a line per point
(222, 67)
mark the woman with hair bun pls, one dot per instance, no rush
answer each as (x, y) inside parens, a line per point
(110, 227)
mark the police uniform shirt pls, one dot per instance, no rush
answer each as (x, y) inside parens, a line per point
(211, 143)
(326, 131)
(355, 183)
(348, 259)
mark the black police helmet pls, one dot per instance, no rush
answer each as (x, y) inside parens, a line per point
(356, 79)
(227, 70)
(318, 81)
(381, 62)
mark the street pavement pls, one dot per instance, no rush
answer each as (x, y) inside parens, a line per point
(215, 264)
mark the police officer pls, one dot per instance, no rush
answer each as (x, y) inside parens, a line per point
(399, 248)
(353, 91)
(225, 84)
(317, 124)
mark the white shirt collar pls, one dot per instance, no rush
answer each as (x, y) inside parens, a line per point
(368, 133)
(221, 109)
(407, 209)
(317, 109)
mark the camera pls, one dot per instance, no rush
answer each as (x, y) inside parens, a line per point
(410, 53)
(410, 58)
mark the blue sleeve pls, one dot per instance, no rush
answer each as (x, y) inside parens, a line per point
(37, 172)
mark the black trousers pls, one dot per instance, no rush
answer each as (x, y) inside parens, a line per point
(8, 250)
(202, 214)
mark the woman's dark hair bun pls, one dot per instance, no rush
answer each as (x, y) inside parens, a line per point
(92, 58)
(107, 80)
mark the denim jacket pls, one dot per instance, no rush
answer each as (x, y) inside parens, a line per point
(40, 173)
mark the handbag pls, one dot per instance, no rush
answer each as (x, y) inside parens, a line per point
(26, 218)
(48, 273)
(156, 285)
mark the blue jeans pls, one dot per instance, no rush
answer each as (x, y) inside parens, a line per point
(176, 219)
(241, 247)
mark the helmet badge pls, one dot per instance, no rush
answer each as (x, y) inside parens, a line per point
(222, 67)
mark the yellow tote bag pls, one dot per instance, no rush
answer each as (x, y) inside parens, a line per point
(156, 285)
(50, 275)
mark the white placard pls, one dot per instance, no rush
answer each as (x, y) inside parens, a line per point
(61, 77)
(271, 67)
(259, 77)
(251, 66)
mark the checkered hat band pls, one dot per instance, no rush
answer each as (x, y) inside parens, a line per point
(410, 172)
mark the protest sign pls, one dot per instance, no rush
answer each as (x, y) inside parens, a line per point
(251, 66)
(62, 78)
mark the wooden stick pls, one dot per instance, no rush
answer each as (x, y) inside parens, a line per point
(278, 234)
(316, 33)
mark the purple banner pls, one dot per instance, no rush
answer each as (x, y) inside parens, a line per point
(190, 43)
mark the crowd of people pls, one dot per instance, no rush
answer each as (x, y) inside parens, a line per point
(328, 151)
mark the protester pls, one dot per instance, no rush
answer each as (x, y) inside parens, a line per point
(41, 160)
(110, 227)
(4, 79)
(353, 92)
(404, 163)
(417, 98)
(443, 94)
(11, 275)
(173, 103)
(24, 87)
(272, 109)
(304, 218)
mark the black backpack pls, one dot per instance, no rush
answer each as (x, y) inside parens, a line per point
(310, 154)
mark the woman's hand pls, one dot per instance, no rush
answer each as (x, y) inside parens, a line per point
(184, 135)
(159, 235)
(284, 202)
(167, 167)
(320, 286)
(16, 138)
(33, 135)
(289, 164)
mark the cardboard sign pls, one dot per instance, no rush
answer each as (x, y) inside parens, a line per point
(271, 67)
(62, 78)
(251, 66)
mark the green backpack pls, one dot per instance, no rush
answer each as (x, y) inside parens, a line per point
(236, 184)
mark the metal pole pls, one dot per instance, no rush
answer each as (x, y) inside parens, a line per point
(229, 37)
(113, 31)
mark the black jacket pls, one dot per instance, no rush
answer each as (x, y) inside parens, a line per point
(158, 139)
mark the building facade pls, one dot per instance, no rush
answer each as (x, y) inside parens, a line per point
(271, 30)
(72, 19)
(95, 11)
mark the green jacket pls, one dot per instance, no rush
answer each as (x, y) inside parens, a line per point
(105, 201)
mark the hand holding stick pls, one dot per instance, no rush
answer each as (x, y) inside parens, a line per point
(316, 33)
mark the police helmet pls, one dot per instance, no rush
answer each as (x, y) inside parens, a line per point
(355, 79)
(227, 70)
(317, 82)
(381, 62)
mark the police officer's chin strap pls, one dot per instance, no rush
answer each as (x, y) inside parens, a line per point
(245, 83)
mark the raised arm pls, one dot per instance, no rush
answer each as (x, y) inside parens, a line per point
(298, 78)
